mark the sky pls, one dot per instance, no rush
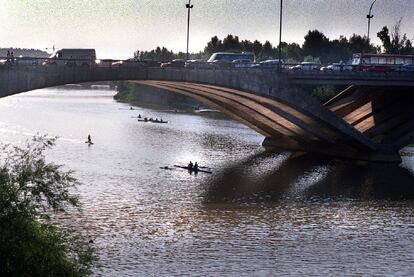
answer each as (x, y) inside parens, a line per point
(116, 28)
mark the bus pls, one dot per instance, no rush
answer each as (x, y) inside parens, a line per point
(379, 62)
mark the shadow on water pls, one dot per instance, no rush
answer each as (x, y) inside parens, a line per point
(271, 177)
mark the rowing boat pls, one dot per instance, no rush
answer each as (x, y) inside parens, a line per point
(152, 121)
(193, 170)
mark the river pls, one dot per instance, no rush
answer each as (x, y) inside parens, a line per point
(259, 214)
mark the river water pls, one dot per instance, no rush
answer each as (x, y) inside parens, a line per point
(259, 214)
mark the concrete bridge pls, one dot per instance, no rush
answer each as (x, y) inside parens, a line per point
(370, 120)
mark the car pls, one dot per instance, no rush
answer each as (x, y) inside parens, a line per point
(270, 64)
(151, 63)
(197, 64)
(408, 67)
(4, 61)
(337, 67)
(178, 63)
(242, 63)
(220, 64)
(104, 62)
(22, 61)
(305, 66)
(128, 63)
(26, 61)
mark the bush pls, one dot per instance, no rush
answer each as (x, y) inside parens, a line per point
(324, 93)
(30, 191)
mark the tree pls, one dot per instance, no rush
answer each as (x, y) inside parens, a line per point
(395, 43)
(267, 51)
(231, 43)
(384, 36)
(214, 45)
(311, 59)
(246, 46)
(316, 45)
(339, 50)
(31, 189)
(359, 44)
(257, 48)
(292, 52)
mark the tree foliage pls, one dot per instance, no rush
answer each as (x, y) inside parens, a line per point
(30, 190)
(395, 42)
(158, 54)
(316, 45)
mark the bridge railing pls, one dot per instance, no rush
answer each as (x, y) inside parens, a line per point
(293, 69)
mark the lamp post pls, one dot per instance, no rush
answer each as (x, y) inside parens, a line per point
(369, 16)
(189, 7)
(280, 36)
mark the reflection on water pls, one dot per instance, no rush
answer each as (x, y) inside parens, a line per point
(259, 214)
(269, 177)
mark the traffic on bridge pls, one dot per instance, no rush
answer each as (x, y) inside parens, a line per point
(373, 63)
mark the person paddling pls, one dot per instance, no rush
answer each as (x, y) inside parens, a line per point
(190, 166)
(195, 167)
(89, 140)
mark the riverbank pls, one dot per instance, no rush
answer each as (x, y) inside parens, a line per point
(151, 97)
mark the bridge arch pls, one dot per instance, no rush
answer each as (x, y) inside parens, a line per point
(267, 102)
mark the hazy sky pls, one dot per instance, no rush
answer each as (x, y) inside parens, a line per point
(116, 28)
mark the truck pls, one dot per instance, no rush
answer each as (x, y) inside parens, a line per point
(73, 57)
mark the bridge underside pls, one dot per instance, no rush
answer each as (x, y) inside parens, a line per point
(383, 118)
(385, 115)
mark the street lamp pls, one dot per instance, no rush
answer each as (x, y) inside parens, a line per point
(280, 36)
(189, 7)
(369, 16)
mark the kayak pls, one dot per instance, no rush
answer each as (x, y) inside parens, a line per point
(89, 142)
(192, 170)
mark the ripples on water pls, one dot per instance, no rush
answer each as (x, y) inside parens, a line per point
(260, 213)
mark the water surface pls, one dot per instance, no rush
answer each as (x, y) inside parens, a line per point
(259, 214)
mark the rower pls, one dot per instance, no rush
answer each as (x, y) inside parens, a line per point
(195, 167)
(89, 139)
(139, 115)
(190, 166)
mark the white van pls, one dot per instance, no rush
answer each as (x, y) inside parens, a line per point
(230, 57)
(73, 57)
(229, 60)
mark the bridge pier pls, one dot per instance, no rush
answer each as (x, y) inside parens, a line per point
(383, 114)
